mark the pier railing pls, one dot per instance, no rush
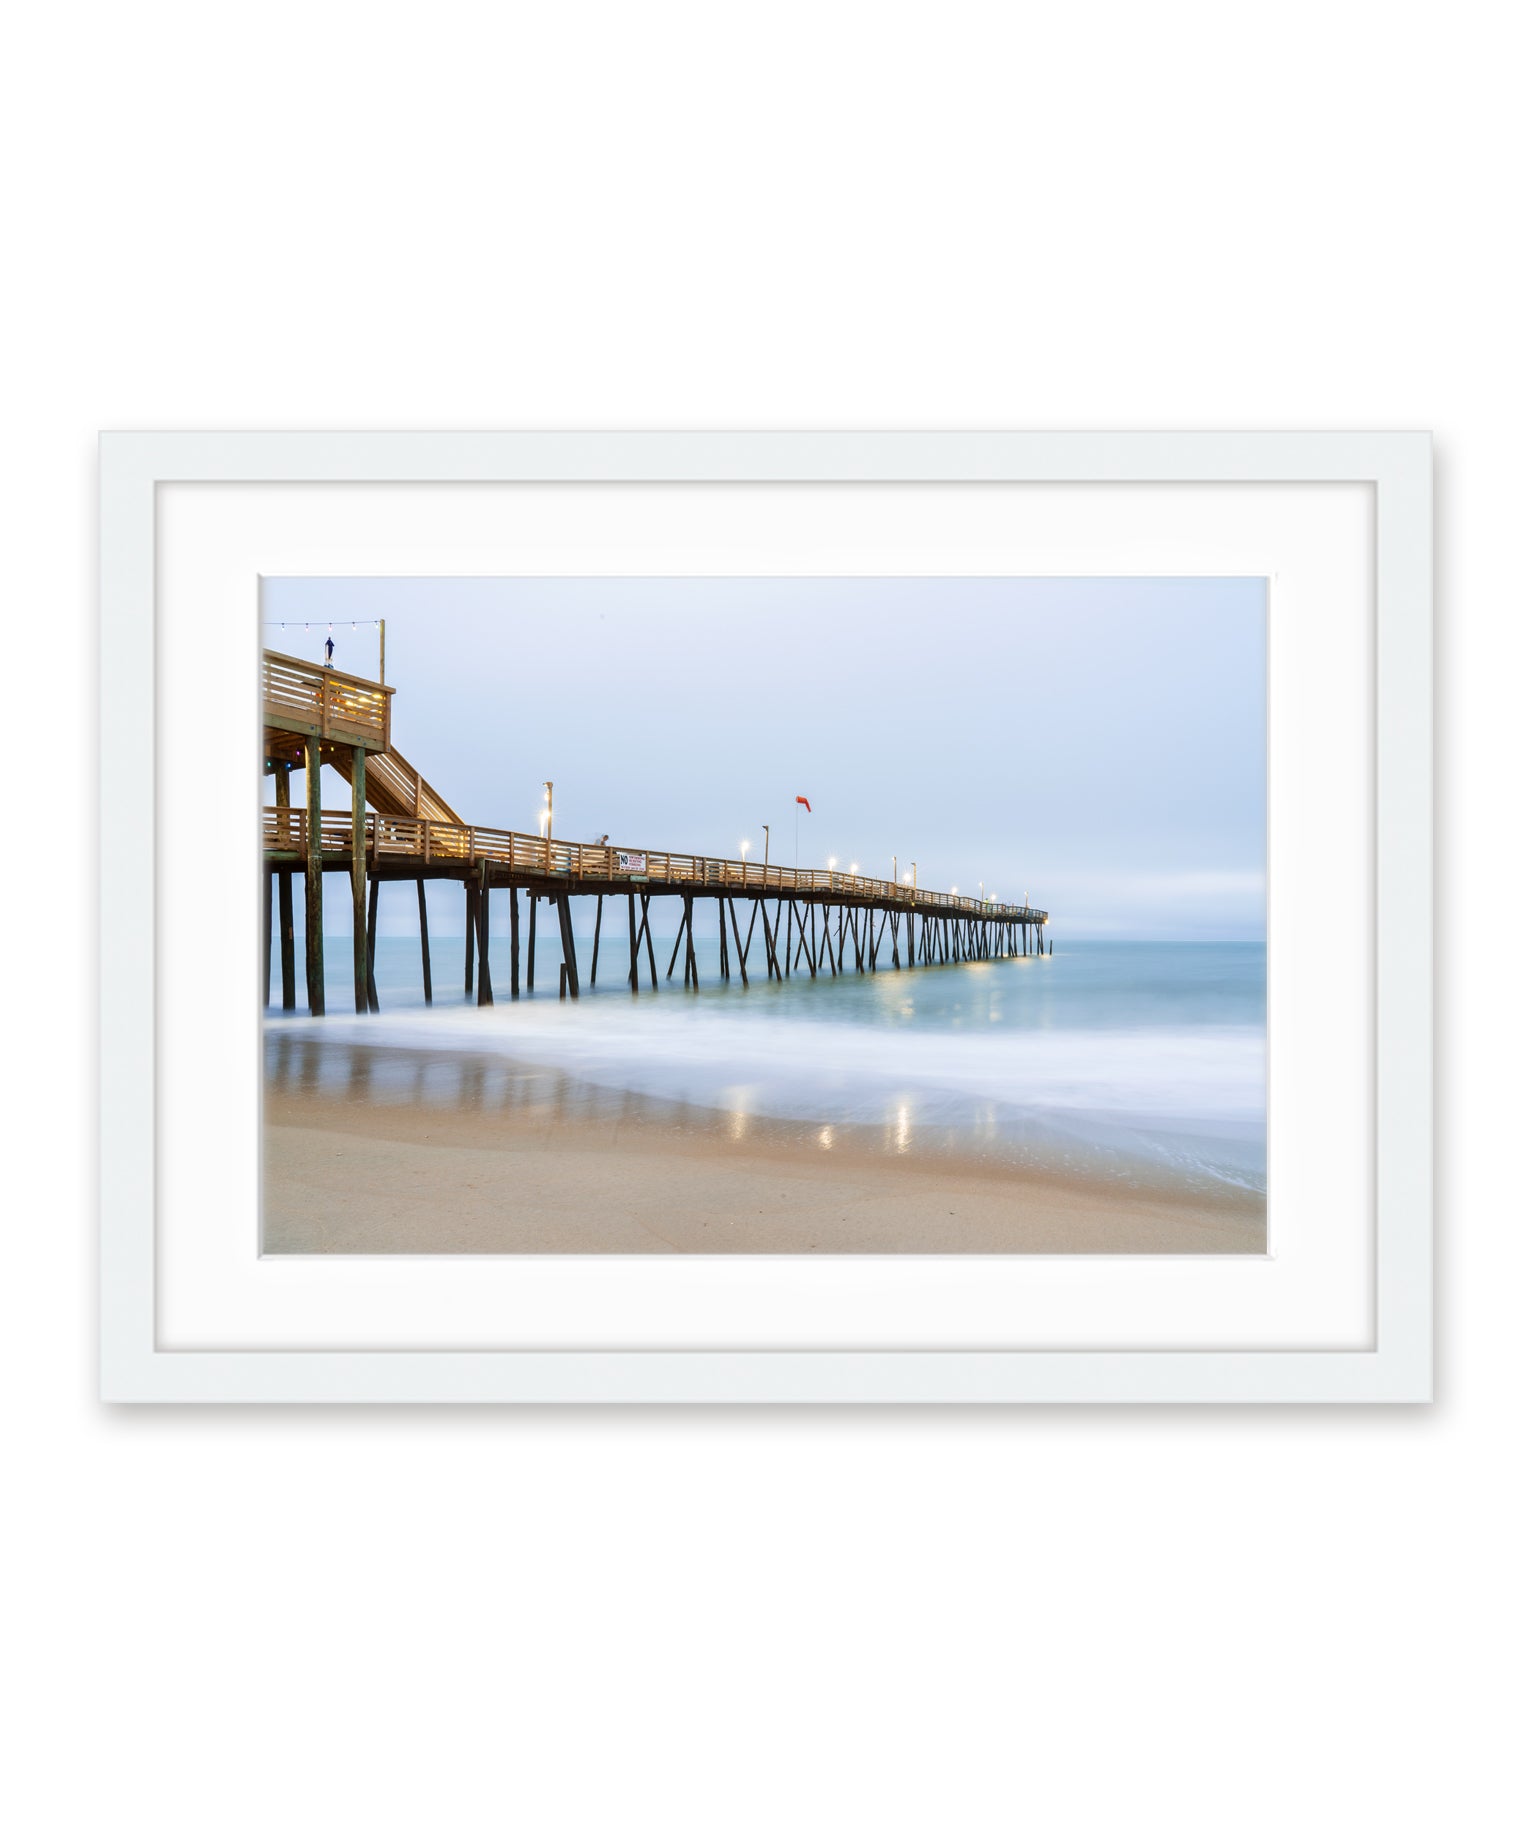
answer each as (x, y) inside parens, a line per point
(436, 842)
(321, 702)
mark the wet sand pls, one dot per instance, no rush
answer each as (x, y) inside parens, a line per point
(375, 1176)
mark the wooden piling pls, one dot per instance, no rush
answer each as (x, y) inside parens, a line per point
(646, 931)
(533, 907)
(427, 959)
(285, 891)
(568, 945)
(742, 960)
(803, 949)
(286, 936)
(359, 868)
(314, 942)
(469, 938)
(592, 979)
(771, 942)
(267, 939)
(678, 940)
(691, 968)
(513, 951)
(371, 992)
(483, 993)
(635, 971)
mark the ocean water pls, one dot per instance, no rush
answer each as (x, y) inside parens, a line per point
(1144, 1061)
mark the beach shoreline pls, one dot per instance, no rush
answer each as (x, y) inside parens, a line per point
(380, 1175)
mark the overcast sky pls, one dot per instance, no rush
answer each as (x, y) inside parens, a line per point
(1098, 742)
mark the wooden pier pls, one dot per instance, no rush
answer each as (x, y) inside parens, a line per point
(829, 923)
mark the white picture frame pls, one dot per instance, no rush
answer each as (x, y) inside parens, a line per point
(1394, 1366)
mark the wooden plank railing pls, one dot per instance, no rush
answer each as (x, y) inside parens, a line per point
(321, 702)
(443, 842)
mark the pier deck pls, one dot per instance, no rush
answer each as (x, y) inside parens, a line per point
(314, 715)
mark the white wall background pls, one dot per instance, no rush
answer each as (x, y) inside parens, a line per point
(318, 1626)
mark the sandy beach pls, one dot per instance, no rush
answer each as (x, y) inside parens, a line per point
(350, 1176)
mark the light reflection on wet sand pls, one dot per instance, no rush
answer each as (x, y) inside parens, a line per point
(463, 1083)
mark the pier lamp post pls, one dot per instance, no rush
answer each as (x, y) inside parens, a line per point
(766, 854)
(547, 820)
(913, 877)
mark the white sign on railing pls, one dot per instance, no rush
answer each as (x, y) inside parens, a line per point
(631, 862)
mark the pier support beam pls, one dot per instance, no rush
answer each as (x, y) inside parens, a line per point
(678, 942)
(372, 937)
(646, 931)
(512, 917)
(483, 994)
(359, 887)
(592, 979)
(285, 892)
(533, 909)
(568, 945)
(802, 949)
(742, 960)
(691, 967)
(469, 937)
(635, 972)
(286, 936)
(427, 960)
(314, 941)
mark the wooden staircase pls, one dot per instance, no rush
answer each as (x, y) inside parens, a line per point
(392, 786)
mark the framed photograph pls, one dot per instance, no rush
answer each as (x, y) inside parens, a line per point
(802, 918)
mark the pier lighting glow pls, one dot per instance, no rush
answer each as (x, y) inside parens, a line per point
(854, 868)
(833, 865)
(744, 849)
